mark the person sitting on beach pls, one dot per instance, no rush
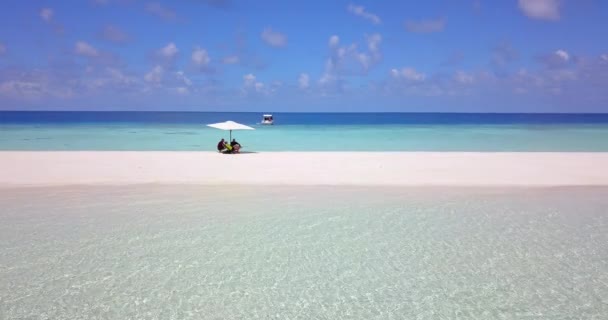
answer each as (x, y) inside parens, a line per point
(221, 146)
(227, 148)
(235, 145)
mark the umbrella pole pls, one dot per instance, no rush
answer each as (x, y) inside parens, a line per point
(230, 135)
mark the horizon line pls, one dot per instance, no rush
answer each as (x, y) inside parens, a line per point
(317, 112)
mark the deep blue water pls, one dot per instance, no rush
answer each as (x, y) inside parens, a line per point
(18, 117)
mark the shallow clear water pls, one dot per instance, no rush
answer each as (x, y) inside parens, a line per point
(187, 252)
(387, 137)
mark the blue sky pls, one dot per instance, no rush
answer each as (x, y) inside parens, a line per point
(231, 55)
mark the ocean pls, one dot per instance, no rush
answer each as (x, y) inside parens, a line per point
(292, 252)
(220, 252)
(186, 131)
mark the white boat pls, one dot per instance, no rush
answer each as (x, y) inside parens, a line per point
(267, 119)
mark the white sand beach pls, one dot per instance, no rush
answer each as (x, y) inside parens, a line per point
(304, 168)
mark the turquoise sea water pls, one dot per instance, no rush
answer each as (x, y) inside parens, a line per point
(178, 252)
(186, 137)
(304, 132)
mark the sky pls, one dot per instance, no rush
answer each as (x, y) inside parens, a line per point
(298, 56)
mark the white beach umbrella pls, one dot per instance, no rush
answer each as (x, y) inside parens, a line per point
(230, 125)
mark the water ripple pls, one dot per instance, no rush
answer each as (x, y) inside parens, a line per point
(328, 253)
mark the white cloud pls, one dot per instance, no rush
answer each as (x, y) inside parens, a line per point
(604, 57)
(374, 56)
(182, 90)
(410, 81)
(251, 84)
(119, 77)
(111, 78)
(160, 78)
(157, 9)
(562, 55)
(231, 60)
(327, 78)
(347, 58)
(563, 75)
(67, 83)
(557, 59)
(540, 9)
(200, 57)
(155, 75)
(84, 49)
(274, 38)
(409, 74)
(248, 80)
(360, 11)
(334, 41)
(181, 76)
(169, 51)
(330, 84)
(425, 26)
(364, 60)
(303, 81)
(47, 14)
(463, 77)
(20, 88)
(373, 42)
(35, 86)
